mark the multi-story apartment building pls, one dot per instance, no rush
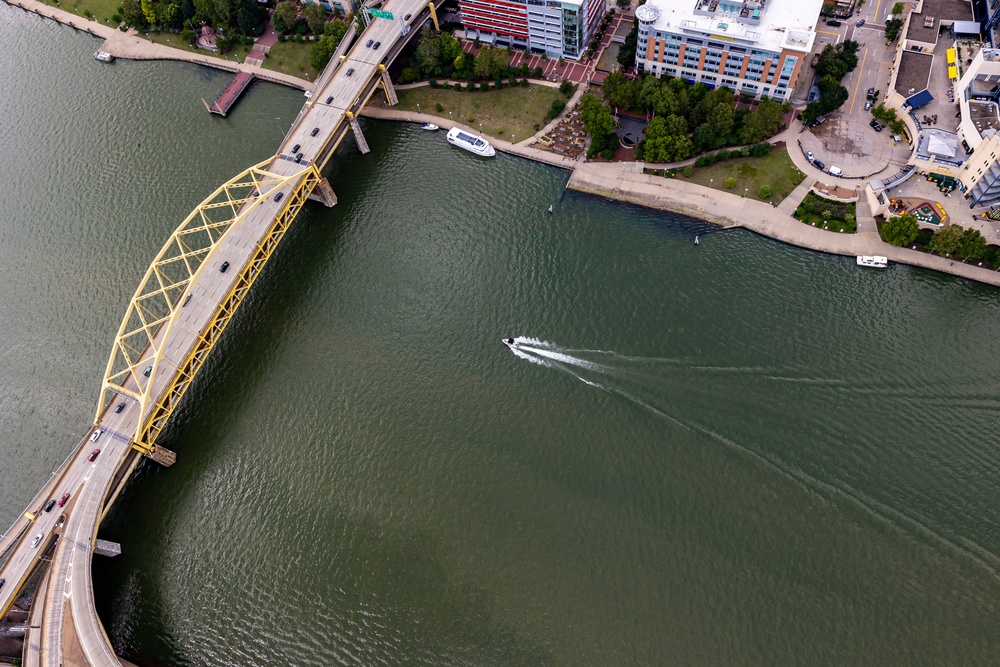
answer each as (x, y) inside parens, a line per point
(755, 47)
(558, 28)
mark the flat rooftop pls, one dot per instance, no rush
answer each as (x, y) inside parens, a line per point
(939, 10)
(914, 72)
(770, 24)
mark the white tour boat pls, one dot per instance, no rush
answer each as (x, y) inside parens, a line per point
(471, 143)
(873, 260)
(103, 56)
(430, 127)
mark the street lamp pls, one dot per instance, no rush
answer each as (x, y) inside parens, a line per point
(418, 107)
(710, 182)
(512, 137)
(480, 128)
(450, 116)
(745, 191)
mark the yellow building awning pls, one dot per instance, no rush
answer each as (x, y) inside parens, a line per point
(952, 72)
(951, 56)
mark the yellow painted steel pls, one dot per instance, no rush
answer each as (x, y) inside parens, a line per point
(434, 16)
(156, 305)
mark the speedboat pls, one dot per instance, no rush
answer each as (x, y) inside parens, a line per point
(103, 56)
(510, 342)
(876, 261)
(430, 127)
(471, 143)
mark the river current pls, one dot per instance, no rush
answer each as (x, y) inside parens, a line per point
(735, 453)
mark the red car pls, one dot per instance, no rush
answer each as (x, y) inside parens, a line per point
(93, 455)
(62, 501)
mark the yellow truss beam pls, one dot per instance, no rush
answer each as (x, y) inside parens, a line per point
(156, 305)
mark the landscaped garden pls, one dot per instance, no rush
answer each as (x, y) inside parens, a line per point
(769, 178)
(823, 213)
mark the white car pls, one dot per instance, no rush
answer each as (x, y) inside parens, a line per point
(96, 435)
(809, 155)
(35, 542)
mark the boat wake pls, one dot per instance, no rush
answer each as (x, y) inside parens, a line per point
(663, 386)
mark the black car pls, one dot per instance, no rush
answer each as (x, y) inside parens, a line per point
(314, 132)
(224, 267)
(149, 369)
(2, 582)
(835, 23)
(871, 93)
(49, 505)
(295, 148)
(121, 406)
(377, 44)
(819, 165)
(350, 72)
(369, 43)
(878, 128)
(278, 196)
(329, 99)
(407, 17)
(298, 158)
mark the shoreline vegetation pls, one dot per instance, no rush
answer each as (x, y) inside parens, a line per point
(618, 181)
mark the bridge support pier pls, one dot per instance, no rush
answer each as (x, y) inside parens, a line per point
(324, 194)
(163, 456)
(106, 548)
(434, 16)
(390, 92)
(360, 138)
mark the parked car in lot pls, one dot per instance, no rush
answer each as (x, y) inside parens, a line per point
(809, 155)
(834, 23)
(860, 23)
(868, 105)
(875, 125)
(819, 165)
(871, 93)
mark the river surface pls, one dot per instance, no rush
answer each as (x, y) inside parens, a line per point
(737, 453)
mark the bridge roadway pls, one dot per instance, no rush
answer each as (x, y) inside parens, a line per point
(68, 533)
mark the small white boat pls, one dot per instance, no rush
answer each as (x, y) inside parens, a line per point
(430, 127)
(551, 208)
(876, 261)
(696, 239)
(510, 342)
(473, 144)
(103, 56)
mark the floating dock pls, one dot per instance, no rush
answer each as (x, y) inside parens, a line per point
(227, 98)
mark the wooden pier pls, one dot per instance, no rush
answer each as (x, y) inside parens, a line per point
(227, 98)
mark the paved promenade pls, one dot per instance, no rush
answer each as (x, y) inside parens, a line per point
(726, 209)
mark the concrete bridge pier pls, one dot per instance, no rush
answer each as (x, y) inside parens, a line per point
(358, 136)
(324, 194)
(390, 92)
(163, 456)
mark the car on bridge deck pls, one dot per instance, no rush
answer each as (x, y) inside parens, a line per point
(407, 17)
(298, 158)
(329, 99)
(2, 582)
(224, 267)
(377, 44)
(93, 455)
(121, 406)
(296, 147)
(49, 505)
(35, 542)
(314, 132)
(369, 43)
(98, 432)
(63, 499)
(350, 71)
(149, 369)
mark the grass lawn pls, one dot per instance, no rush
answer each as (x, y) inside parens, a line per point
(827, 213)
(291, 58)
(774, 169)
(100, 10)
(509, 110)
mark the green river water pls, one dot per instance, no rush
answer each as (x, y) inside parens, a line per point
(737, 453)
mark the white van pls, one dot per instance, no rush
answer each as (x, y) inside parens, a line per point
(836, 171)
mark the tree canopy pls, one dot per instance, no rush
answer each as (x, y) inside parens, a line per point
(901, 230)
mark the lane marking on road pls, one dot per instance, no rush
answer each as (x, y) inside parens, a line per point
(858, 82)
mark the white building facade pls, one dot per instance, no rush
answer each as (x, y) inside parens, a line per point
(755, 48)
(557, 28)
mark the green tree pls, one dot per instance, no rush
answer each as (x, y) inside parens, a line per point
(284, 16)
(626, 54)
(149, 11)
(704, 138)
(566, 88)
(947, 241)
(832, 98)
(892, 29)
(491, 62)
(321, 51)
(667, 139)
(597, 120)
(131, 11)
(897, 9)
(722, 119)
(451, 48)
(620, 91)
(766, 122)
(315, 18)
(972, 244)
(428, 55)
(250, 17)
(168, 15)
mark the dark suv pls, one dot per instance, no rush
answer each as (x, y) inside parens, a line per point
(49, 505)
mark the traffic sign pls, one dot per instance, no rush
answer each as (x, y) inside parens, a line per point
(378, 13)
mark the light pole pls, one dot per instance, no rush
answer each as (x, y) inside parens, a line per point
(480, 129)
(450, 116)
(418, 107)
(745, 191)
(710, 182)
(511, 137)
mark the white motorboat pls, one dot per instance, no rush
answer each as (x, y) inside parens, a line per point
(510, 342)
(876, 261)
(103, 56)
(430, 127)
(471, 143)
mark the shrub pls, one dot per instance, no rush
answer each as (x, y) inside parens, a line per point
(688, 171)
(566, 88)
(116, 18)
(458, 87)
(438, 107)
(524, 83)
(484, 86)
(538, 127)
(500, 131)
(730, 183)
(761, 149)
(607, 153)
(764, 191)
(470, 118)
(86, 13)
(434, 83)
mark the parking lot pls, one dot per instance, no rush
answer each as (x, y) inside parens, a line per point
(846, 139)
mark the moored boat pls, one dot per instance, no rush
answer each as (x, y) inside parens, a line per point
(471, 143)
(430, 127)
(103, 56)
(876, 261)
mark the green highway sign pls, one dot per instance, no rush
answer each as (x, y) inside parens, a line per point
(378, 13)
